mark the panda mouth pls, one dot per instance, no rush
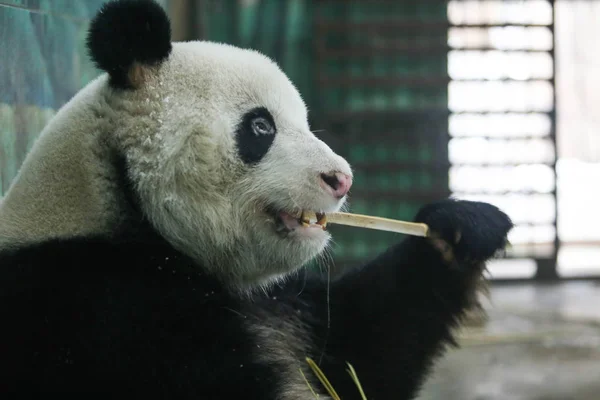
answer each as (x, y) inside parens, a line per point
(286, 222)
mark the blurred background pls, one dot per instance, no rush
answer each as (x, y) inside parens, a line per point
(491, 100)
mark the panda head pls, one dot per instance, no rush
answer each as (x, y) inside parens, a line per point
(217, 146)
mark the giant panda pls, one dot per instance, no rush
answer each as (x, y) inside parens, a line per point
(153, 245)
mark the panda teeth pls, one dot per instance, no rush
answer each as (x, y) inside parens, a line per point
(306, 216)
(304, 219)
(322, 220)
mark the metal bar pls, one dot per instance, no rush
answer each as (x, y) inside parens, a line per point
(414, 80)
(547, 270)
(400, 115)
(400, 166)
(503, 192)
(382, 81)
(488, 48)
(497, 113)
(503, 164)
(394, 24)
(527, 281)
(374, 192)
(363, 51)
(405, 196)
(504, 79)
(377, 26)
(507, 25)
(504, 137)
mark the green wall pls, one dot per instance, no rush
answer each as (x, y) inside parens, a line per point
(43, 63)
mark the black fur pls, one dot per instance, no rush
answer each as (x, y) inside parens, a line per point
(128, 31)
(124, 317)
(253, 147)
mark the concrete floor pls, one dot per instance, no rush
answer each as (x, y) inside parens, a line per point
(540, 343)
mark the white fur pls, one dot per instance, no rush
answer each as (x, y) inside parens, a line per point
(177, 133)
(61, 190)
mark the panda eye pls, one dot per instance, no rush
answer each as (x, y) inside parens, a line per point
(261, 126)
(255, 134)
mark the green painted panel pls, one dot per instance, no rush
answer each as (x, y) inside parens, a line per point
(280, 29)
(409, 141)
(44, 62)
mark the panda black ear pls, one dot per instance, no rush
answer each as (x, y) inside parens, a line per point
(127, 36)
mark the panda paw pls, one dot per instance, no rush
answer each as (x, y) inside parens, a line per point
(465, 231)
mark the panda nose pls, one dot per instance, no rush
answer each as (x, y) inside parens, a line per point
(337, 183)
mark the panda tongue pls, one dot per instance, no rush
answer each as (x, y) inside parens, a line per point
(289, 221)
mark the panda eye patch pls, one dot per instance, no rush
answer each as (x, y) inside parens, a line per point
(255, 134)
(261, 126)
